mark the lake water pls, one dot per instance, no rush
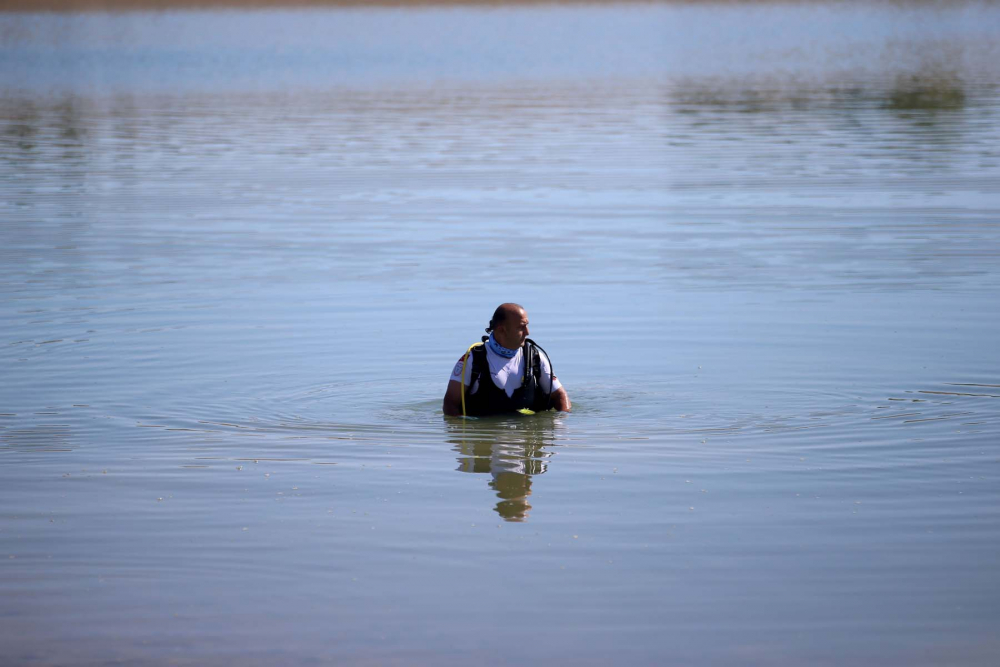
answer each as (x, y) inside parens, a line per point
(240, 252)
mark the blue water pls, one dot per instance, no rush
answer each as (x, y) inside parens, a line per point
(240, 252)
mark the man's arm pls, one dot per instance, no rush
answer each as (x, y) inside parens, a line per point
(560, 400)
(452, 404)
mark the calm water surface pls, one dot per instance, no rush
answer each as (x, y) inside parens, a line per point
(240, 252)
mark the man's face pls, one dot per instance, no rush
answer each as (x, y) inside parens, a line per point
(512, 332)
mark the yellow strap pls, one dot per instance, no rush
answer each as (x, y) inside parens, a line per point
(461, 380)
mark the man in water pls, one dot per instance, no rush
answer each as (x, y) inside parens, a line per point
(507, 372)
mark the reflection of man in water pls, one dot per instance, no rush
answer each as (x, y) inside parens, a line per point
(513, 490)
(511, 457)
(506, 372)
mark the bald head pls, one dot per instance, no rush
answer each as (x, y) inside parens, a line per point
(504, 312)
(510, 325)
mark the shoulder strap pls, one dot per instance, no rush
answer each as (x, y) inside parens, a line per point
(552, 371)
(479, 363)
(468, 353)
(537, 369)
(529, 378)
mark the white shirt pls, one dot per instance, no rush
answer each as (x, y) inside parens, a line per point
(506, 373)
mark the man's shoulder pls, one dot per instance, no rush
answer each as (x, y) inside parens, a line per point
(474, 349)
(538, 352)
(536, 348)
(467, 357)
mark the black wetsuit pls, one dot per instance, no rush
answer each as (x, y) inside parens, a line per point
(490, 399)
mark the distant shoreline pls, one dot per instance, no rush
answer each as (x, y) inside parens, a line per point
(124, 5)
(121, 5)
